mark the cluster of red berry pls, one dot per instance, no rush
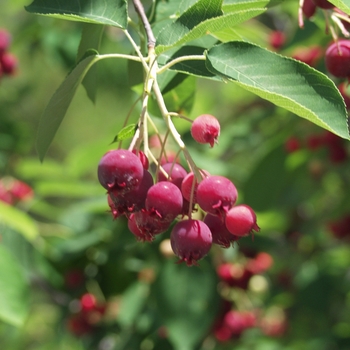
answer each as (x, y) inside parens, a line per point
(152, 206)
(13, 191)
(8, 61)
(87, 315)
(334, 144)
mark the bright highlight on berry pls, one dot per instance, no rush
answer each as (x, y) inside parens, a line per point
(205, 129)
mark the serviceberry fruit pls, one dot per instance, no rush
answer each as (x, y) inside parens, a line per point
(337, 58)
(164, 201)
(5, 40)
(323, 4)
(205, 129)
(309, 8)
(120, 170)
(216, 195)
(191, 240)
(241, 220)
(175, 172)
(8, 63)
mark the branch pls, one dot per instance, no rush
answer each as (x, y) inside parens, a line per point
(150, 36)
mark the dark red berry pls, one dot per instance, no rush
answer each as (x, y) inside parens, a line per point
(175, 172)
(309, 55)
(190, 182)
(205, 129)
(241, 220)
(191, 240)
(120, 170)
(309, 8)
(337, 58)
(277, 39)
(143, 158)
(292, 144)
(323, 4)
(221, 235)
(88, 302)
(164, 201)
(234, 275)
(8, 63)
(5, 40)
(216, 195)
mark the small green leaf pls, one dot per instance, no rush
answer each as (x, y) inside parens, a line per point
(90, 39)
(18, 221)
(286, 82)
(126, 133)
(59, 103)
(108, 12)
(14, 291)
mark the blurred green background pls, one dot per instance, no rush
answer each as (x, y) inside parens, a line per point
(62, 242)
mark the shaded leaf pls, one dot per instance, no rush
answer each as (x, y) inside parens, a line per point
(283, 81)
(14, 291)
(18, 221)
(90, 39)
(233, 5)
(126, 133)
(58, 105)
(109, 12)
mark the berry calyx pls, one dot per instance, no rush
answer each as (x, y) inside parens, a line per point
(120, 170)
(337, 58)
(241, 220)
(191, 240)
(205, 129)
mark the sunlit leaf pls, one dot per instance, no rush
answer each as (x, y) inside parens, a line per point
(126, 133)
(283, 81)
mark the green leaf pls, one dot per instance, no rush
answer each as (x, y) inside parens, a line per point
(59, 103)
(283, 81)
(126, 133)
(108, 12)
(90, 39)
(187, 302)
(19, 221)
(234, 5)
(343, 5)
(201, 19)
(14, 291)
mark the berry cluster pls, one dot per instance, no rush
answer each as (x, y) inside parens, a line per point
(8, 61)
(151, 204)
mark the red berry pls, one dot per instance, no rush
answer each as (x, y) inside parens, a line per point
(323, 4)
(88, 302)
(216, 195)
(337, 58)
(234, 275)
(143, 158)
(8, 63)
(309, 8)
(175, 171)
(221, 235)
(120, 170)
(164, 201)
(309, 55)
(5, 40)
(205, 129)
(292, 144)
(191, 240)
(277, 39)
(241, 220)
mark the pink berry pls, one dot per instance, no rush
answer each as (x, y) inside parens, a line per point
(5, 40)
(164, 201)
(187, 184)
(309, 8)
(205, 129)
(8, 63)
(175, 171)
(216, 195)
(88, 302)
(277, 39)
(241, 220)
(337, 58)
(221, 235)
(120, 170)
(191, 240)
(143, 158)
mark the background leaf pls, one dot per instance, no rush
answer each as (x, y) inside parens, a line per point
(343, 5)
(284, 81)
(109, 12)
(14, 291)
(58, 105)
(90, 39)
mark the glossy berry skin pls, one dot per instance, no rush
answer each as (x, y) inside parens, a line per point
(241, 220)
(164, 201)
(120, 170)
(187, 184)
(216, 195)
(175, 171)
(323, 4)
(221, 235)
(309, 8)
(191, 240)
(205, 129)
(337, 59)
